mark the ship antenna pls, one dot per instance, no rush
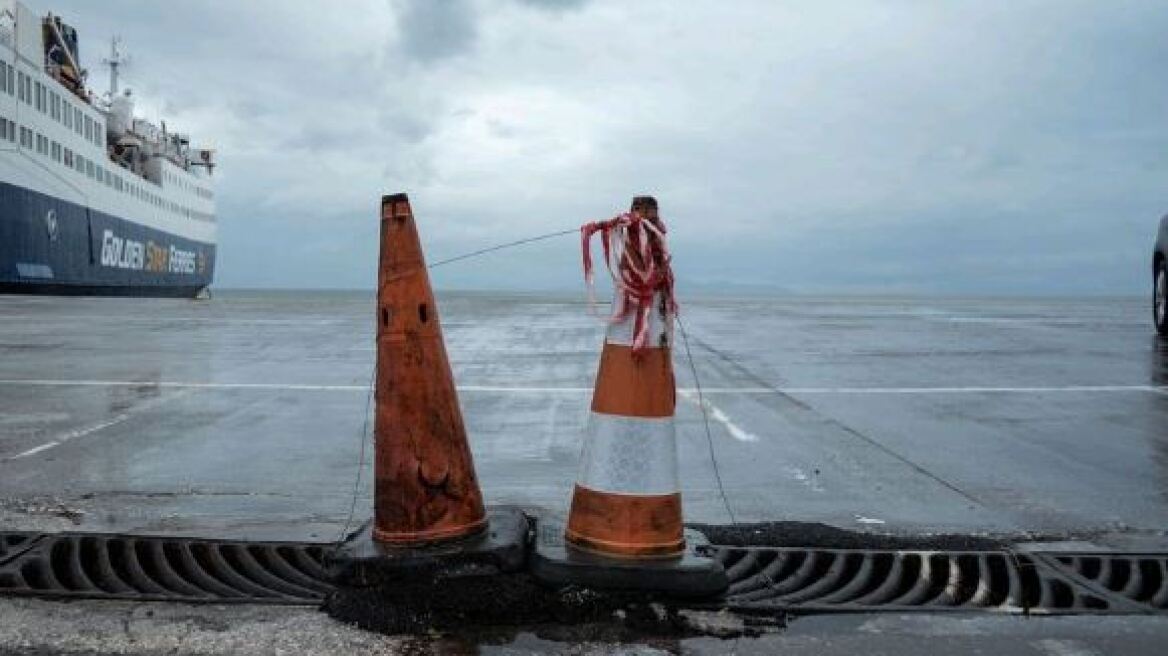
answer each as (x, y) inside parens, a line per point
(115, 61)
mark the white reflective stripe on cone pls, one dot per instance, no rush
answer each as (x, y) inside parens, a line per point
(621, 332)
(629, 455)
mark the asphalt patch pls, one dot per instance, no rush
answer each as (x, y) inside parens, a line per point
(815, 535)
(513, 602)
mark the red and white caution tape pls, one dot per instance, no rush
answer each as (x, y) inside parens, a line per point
(638, 261)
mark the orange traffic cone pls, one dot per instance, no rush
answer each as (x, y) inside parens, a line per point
(425, 489)
(627, 499)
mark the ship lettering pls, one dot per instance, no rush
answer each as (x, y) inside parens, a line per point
(181, 261)
(157, 258)
(120, 253)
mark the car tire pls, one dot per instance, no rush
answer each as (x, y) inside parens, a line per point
(1160, 297)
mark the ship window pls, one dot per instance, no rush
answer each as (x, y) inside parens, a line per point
(68, 115)
(68, 155)
(40, 97)
(4, 76)
(88, 129)
(56, 152)
(20, 85)
(77, 120)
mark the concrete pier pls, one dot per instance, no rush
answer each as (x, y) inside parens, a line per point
(241, 416)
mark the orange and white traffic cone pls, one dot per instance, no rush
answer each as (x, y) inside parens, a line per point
(627, 499)
(425, 488)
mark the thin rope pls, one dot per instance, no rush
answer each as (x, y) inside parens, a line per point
(706, 421)
(511, 244)
(498, 247)
(373, 374)
(361, 459)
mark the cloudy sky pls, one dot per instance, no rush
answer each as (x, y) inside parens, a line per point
(855, 147)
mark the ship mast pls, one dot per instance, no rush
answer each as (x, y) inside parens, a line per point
(114, 61)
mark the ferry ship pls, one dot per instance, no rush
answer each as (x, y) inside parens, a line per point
(93, 200)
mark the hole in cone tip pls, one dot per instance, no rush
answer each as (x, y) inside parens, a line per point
(423, 312)
(385, 317)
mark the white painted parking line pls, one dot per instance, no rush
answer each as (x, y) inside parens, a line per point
(33, 451)
(517, 389)
(719, 416)
(1071, 321)
(1039, 389)
(99, 426)
(305, 321)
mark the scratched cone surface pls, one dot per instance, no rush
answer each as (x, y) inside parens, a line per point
(425, 489)
(627, 498)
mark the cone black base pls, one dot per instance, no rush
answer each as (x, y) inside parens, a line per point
(363, 562)
(692, 576)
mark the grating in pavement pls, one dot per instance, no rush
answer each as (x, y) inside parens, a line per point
(762, 579)
(1139, 578)
(13, 543)
(863, 580)
(176, 569)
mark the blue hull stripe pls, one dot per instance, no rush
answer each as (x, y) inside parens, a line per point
(48, 245)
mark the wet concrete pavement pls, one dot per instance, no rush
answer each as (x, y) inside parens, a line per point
(242, 416)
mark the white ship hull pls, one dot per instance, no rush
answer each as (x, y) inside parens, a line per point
(72, 218)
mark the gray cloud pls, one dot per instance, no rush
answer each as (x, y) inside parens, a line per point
(431, 30)
(555, 5)
(956, 147)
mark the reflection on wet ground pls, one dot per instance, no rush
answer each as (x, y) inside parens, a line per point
(242, 416)
(1158, 362)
